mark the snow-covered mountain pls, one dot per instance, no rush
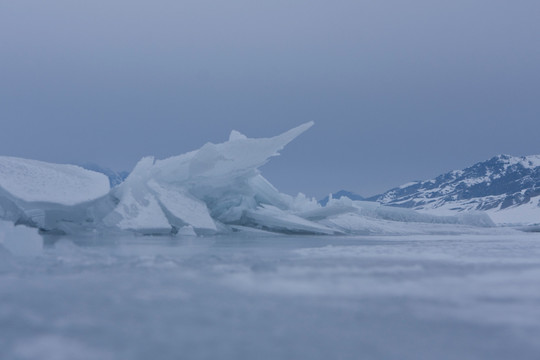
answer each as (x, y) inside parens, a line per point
(507, 187)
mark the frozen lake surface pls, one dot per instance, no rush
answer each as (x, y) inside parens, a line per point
(275, 297)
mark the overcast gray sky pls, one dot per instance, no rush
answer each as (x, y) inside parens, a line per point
(398, 90)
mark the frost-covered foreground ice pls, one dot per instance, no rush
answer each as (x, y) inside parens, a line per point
(251, 296)
(217, 189)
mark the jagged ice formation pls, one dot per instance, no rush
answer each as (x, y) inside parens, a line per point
(216, 189)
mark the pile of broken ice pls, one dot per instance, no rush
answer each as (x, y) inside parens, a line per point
(216, 189)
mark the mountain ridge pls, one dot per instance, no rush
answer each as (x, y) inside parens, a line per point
(498, 183)
(505, 186)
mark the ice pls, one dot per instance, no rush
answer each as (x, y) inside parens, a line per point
(258, 295)
(140, 213)
(216, 189)
(217, 183)
(355, 223)
(364, 217)
(32, 181)
(52, 197)
(271, 218)
(222, 163)
(377, 211)
(199, 190)
(18, 240)
(137, 209)
(183, 208)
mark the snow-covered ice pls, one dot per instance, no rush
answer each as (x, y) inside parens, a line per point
(50, 196)
(34, 181)
(255, 296)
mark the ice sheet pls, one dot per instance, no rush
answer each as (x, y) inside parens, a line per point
(273, 297)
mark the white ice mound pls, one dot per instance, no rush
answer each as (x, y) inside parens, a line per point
(49, 196)
(215, 189)
(37, 181)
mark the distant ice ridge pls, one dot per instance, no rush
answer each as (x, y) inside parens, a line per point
(216, 189)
